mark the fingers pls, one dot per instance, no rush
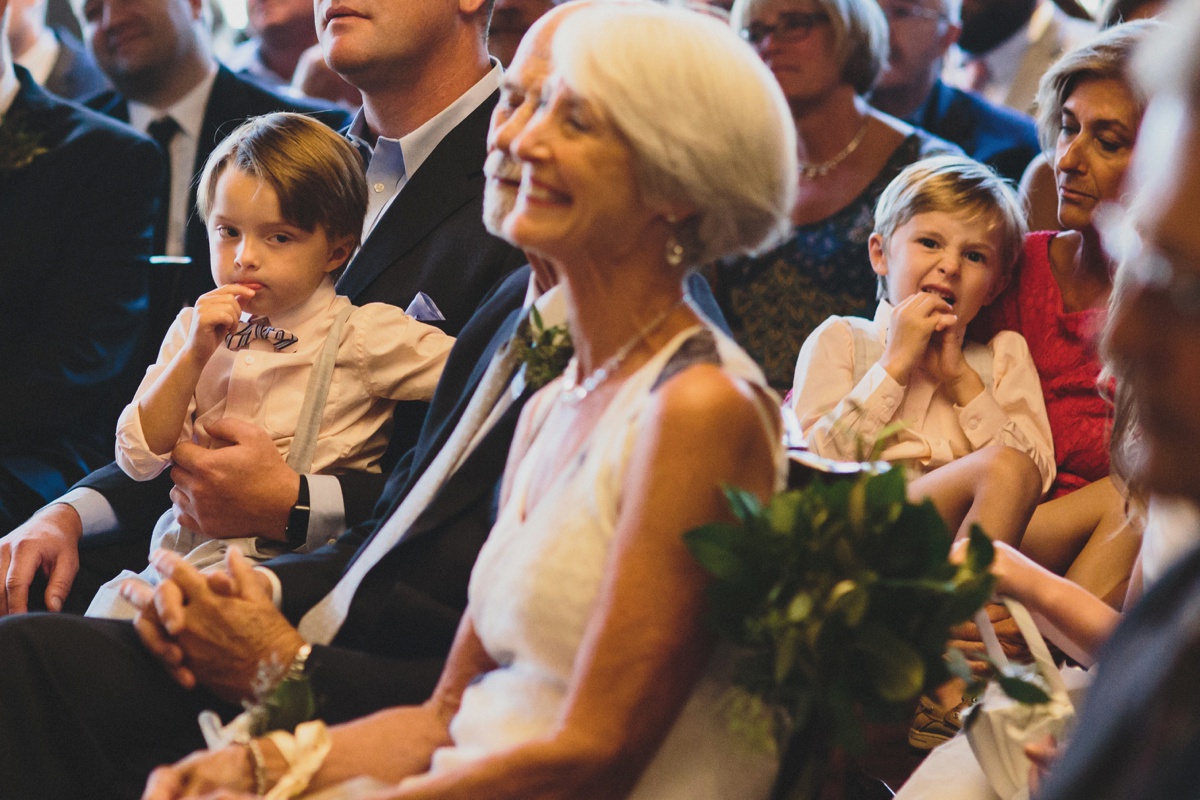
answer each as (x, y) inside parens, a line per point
(234, 431)
(62, 576)
(165, 783)
(187, 578)
(187, 456)
(17, 578)
(242, 574)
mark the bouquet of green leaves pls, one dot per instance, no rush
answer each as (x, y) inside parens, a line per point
(840, 597)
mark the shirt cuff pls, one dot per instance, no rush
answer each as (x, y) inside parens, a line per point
(881, 395)
(93, 508)
(276, 585)
(982, 419)
(327, 515)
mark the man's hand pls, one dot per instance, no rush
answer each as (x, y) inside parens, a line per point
(242, 489)
(213, 629)
(49, 540)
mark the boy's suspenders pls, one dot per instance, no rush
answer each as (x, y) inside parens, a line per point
(304, 443)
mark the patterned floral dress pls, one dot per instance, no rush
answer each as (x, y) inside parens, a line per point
(775, 300)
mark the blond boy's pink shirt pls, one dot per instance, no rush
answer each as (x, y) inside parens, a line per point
(835, 413)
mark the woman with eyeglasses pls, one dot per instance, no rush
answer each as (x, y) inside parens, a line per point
(826, 55)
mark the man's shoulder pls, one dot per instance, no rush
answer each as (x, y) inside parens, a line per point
(67, 124)
(237, 97)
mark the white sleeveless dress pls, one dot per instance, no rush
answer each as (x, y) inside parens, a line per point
(535, 585)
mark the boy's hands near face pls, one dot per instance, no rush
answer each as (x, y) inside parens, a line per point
(945, 363)
(915, 320)
(217, 314)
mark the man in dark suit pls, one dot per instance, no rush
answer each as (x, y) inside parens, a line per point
(77, 200)
(922, 31)
(157, 55)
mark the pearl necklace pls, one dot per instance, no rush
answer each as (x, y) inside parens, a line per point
(575, 390)
(823, 168)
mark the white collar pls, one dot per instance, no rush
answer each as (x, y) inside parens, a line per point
(296, 319)
(187, 111)
(417, 145)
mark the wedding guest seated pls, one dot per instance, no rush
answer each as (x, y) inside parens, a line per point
(77, 200)
(826, 56)
(583, 667)
(1138, 729)
(1038, 188)
(972, 422)
(1089, 115)
(279, 32)
(428, 236)
(921, 32)
(168, 84)
(54, 57)
(283, 198)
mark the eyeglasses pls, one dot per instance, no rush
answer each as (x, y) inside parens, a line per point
(905, 13)
(789, 24)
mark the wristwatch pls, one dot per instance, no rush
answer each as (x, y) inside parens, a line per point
(296, 531)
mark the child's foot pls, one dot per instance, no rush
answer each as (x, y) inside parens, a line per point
(934, 724)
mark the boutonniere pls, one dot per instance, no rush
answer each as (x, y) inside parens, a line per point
(544, 351)
(19, 145)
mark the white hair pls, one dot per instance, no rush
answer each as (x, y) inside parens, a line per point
(707, 123)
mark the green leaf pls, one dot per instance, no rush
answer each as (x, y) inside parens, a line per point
(800, 607)
(745, 506)
(783, 511)
(897, 670)
(980, 550)
(715, 546)
(1021, 690)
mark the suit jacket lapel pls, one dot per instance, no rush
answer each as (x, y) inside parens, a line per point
(449, 178)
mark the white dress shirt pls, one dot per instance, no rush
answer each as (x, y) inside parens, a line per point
(836, 412)
(188, 112)
(41, 57)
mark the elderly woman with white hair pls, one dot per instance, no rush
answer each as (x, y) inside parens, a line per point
(583, 667)
(826, 55)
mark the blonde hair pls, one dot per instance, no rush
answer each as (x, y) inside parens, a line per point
(954, 185)
(316, 174)
(707, 122)
(860, 34)
(1105, 57)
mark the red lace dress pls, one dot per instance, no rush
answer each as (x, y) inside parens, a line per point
(1063, 345)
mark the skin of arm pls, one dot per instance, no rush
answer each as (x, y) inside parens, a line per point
(645, 645)
(1073, 618)
(164, 406)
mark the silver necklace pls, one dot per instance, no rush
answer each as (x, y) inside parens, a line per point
(575, 390)
(823, 168)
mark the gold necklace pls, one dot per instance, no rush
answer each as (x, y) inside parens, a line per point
(823, 168)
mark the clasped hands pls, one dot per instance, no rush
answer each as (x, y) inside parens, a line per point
(212, 629)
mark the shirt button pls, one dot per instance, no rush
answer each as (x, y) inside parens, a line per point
(249, 359)
(974, 424)
(379, 187)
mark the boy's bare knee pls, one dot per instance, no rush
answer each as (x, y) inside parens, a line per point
(1015, 469)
